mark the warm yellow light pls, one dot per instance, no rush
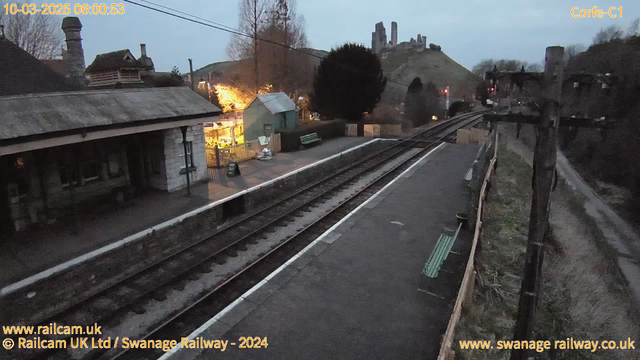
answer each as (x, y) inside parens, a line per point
(434, 118)
(235, 99)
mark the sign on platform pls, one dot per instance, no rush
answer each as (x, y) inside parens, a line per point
(233, 169)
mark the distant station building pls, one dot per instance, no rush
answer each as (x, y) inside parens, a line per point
(267, 113)
(61, 147)
(121, 67)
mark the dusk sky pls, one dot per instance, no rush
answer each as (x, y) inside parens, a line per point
(467, 30)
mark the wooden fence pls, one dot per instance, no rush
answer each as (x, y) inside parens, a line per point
(240, 153)
(465, 294)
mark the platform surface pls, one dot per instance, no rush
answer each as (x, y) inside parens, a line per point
(29, 252)
(359, 292)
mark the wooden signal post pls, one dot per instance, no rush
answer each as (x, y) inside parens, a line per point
(544, 173)
(544, 165)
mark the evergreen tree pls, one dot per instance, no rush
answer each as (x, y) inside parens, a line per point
(348, 82)
(415, 104)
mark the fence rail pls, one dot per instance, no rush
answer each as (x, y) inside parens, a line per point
(467, 286)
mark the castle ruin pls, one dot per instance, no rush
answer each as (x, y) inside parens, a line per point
(379, 41)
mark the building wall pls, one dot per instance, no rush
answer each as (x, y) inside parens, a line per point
(46, 197)
(256, 116)
(156, 162)
(174, 164)
(293, 119)
(40, 177)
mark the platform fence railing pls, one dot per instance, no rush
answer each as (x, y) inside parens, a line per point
(465, 293)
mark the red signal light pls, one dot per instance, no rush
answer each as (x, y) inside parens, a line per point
(446, 91)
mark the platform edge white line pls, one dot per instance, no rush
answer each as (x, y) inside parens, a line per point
(139, 235)
(230, 307)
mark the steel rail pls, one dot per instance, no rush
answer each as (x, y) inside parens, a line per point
(234, 277)
(181, 274)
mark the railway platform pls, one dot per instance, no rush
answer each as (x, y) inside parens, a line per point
(357, 292)
(32, 251)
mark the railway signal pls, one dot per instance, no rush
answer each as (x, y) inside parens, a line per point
(446, 93)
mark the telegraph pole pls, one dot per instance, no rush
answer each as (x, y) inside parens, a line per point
(547, 120)
(544, 163)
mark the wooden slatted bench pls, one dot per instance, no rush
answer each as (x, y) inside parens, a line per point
(309, 139)
(440, 254)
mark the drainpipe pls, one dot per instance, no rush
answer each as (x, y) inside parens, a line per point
(186, 160)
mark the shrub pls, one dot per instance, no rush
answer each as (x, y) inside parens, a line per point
(325, 129)
(384, 113)
(459, 106)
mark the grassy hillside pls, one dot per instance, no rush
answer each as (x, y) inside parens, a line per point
(404, 65)
(232, 71)
(401, 65)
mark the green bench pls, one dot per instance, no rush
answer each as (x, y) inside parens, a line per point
(439, 254)
(309, 139)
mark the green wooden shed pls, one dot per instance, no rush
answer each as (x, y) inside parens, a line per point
(267, 113)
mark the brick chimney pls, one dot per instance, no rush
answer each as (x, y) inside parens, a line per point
(147, 62)
(75, 55)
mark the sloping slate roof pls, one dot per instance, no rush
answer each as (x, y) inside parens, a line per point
(60, 66)
(277, 102)
(21, 73)
(58, 112)
(113, 60)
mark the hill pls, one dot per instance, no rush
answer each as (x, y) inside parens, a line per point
(230, 72)
(403, 65)
(399, 64)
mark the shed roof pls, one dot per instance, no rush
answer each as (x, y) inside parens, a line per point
(60, 113)
(276, 102)
(21, 73)
(114, 60)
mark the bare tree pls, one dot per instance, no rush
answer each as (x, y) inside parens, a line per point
(571, 51)
(634, 28)
(286, 69)
(504, 65)
(279, 28)
(609, 34)
(38, 34)
(252, 14)
(533, 67)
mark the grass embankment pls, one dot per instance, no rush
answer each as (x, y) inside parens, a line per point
(581, 293)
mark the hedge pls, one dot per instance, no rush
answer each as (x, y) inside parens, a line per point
(326, 129)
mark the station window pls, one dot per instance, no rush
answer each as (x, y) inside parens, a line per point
(89, 170)
(68, 175)
(189, 155)
(85, 168)
(114, 165)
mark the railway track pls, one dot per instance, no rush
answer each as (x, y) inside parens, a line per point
(112, 306)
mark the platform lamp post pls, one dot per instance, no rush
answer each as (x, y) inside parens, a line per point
(186, 157)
